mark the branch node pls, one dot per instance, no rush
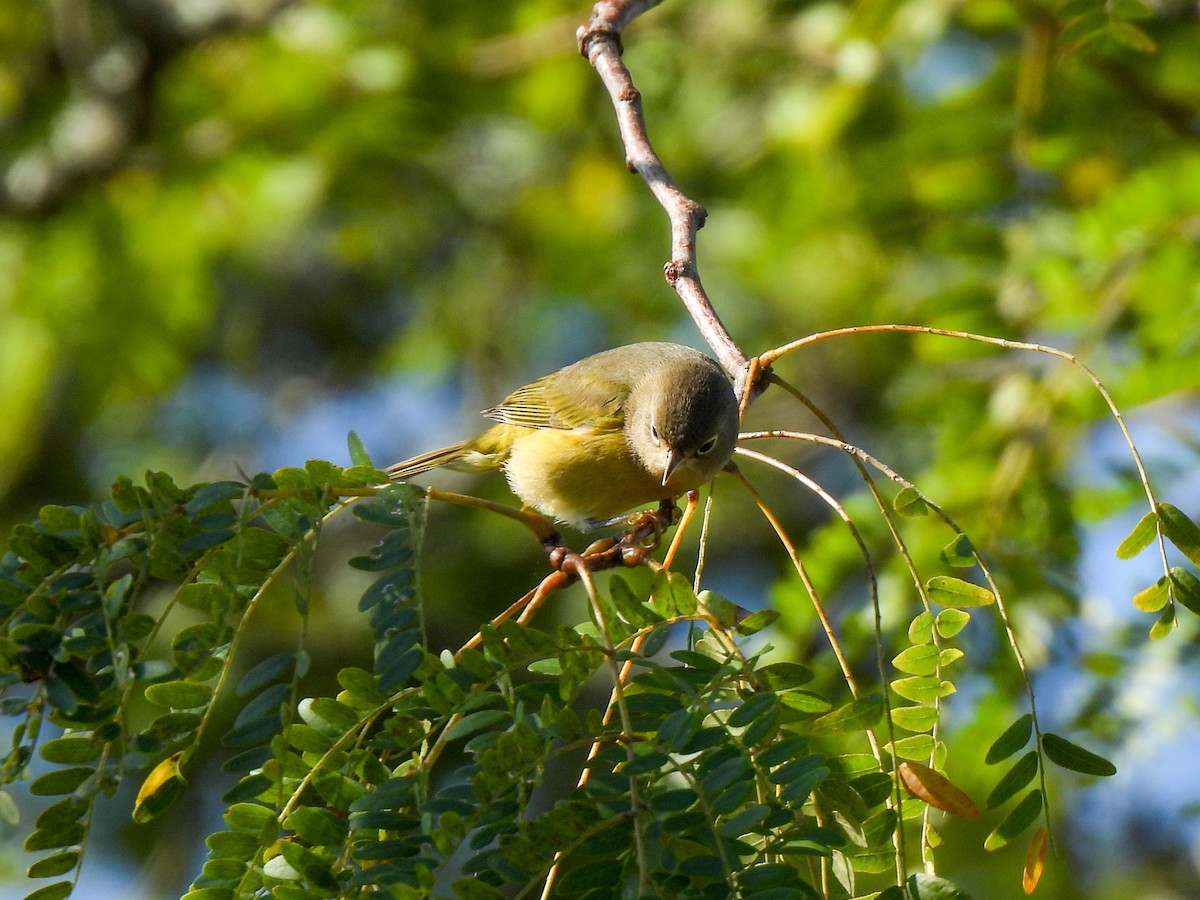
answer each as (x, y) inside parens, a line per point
(589, 35)
(676, 269)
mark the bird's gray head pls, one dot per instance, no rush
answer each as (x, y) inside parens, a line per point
(682, 421)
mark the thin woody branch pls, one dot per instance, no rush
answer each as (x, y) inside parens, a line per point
(600, 43)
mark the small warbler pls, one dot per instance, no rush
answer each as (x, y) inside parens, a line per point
(623, 428)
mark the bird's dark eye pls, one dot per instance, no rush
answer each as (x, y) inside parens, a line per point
(654, 436)
(707, 446)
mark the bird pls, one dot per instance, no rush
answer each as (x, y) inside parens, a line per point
(616, 430)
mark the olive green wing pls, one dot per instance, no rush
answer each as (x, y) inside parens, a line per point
(569, 398)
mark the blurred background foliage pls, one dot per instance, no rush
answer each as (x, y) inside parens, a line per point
(233, 230)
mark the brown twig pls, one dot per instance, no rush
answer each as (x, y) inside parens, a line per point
(600, 43)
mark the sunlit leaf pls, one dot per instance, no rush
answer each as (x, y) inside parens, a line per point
(1153, 598)
(922, 688)
(916, 746)
(920, 629)
(918, 660)
(1140, 537)
(950, 622)
(915, 718)
(946, 590)
(159, 789)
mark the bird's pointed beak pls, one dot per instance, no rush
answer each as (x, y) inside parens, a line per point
(674, 458)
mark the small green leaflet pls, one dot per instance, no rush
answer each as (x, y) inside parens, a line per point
(909, 502)
(358, 451)
(1072, 756)
(1153, 598)
(959, 553)
(945, 590)
(1140, 538)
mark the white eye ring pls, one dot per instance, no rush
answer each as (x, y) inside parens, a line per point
(654, 436)
(707, 447)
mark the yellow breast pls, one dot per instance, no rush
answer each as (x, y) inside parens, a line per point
(579, 475)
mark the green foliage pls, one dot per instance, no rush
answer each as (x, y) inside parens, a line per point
(705, 775)
(711, 771)
(259, 163)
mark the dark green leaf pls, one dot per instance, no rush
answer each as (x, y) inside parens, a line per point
(930, 887)
(750, 710)
(60, 835)
(487, 719)
(1180, 531)
(1015, 737)
(272, 669)
(1014, 780)
(56, 891)
(181, 695)
(1071, 756)
(1022, 816)
(319, 827)
(55, 864)
(72, 749)
(785, 676)
(60, 781)
(1186, 588)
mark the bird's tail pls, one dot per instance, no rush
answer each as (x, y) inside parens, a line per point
(416, 465)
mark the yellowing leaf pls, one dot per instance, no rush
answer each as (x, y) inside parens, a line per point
(159, 790)
(1035, 859)
(937, 790)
